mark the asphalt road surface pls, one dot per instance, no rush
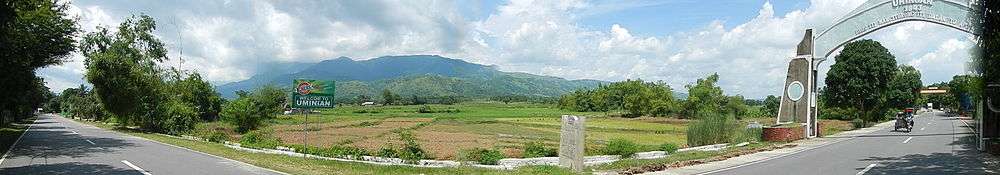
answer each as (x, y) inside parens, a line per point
(938, 144)
(56, 145)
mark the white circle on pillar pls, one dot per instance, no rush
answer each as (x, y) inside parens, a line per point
(795, 91)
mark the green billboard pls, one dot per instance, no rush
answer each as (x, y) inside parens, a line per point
(313, 93)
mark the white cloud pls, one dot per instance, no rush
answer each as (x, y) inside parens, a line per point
(229, 41)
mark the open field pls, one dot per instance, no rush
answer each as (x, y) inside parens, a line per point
(451, 128)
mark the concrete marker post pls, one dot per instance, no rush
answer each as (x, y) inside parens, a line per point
(571, 145)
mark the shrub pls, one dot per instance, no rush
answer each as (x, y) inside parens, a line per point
(242, 113)
(481, 156)
(180, 117)
(669, 148)
(621, 147)
(411, 151)
(425, 109)
(858, 123)
(710, 129)
(537, 149)
(259, 139)
(218, 137)
(332, 151)
(387, 152)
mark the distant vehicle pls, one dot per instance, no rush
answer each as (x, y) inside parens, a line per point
(903, 120)
(368, 104)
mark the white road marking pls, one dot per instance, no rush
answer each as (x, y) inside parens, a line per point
(866, 169)
(135, 167)
(923, 128)
(907, 140)
(92, 143)
(74, 132)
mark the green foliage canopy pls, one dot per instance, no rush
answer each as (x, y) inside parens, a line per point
(860, 77)
(904, 88)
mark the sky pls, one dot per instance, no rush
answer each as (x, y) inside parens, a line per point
(747, 42)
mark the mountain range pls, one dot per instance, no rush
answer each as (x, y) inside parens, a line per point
(413, 75)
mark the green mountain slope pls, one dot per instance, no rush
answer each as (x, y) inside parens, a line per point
(417, 75)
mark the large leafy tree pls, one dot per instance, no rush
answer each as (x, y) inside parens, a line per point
(860, 77)
(195, 91)
(33, 34)
(904, 87)
(122, 67)
(704, 95)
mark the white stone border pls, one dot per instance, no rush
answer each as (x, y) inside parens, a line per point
(503, 164)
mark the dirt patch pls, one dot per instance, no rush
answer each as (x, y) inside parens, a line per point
(445, 145)
(327, 134)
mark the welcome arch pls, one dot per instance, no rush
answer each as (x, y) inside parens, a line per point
(871, 16)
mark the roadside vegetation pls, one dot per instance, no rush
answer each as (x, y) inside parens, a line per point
(10, 133)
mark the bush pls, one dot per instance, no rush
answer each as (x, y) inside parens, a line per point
(218, 137)
(425, 109)
(858, 123)
(621, 147)
(669, 148)
(411, 151)
(481, 156)
(259, 139)
(242, 113)
(387, 152)
(710, 129)
(333, 151)
(537, 149)
(181, 117)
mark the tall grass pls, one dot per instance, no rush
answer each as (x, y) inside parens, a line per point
(712, 128)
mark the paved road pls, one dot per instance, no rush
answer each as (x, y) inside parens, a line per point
(939, 144)
(56, 145)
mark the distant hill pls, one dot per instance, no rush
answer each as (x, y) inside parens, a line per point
(420, 75)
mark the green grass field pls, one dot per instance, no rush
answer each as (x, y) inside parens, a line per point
(451, 128)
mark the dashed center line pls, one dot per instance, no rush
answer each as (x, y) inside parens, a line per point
(74, 132)
(923, 128)
(869, 167)
(92, 143)
(136, 167)
(907, 140)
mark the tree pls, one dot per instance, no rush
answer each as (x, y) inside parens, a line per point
(771, 104)
(269, 100)
(390, 98)
(704, 95)
(904, 88)
(242, 113)
(33, 34)
(122, 67)
(860, 77)
(198, 93)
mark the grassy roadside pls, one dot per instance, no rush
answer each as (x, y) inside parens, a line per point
(636, 166)
(10, 133)
(298, 165)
